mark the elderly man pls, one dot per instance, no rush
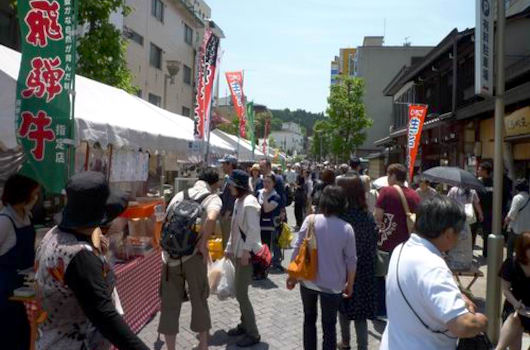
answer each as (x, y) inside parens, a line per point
(426, 309)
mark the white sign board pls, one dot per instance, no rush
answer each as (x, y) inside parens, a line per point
(484, 50)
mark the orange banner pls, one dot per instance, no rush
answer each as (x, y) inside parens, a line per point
(235, 82)
(417, 115)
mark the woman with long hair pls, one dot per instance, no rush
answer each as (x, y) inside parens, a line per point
(362, 304)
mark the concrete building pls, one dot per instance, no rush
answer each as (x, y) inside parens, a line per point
(335, 70)
(165, 36)
(290, 139)
(378, 64)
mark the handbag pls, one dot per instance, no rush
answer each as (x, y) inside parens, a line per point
(471, 217)
(304, 265)
(479, 342)
(382, 259)
(411, 217)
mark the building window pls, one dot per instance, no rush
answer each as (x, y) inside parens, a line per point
(133, 36)
(186, 111)
(155, 99)
(139, 93)
(187, 75)
(188, 34)
(155, 56)
(157, 9)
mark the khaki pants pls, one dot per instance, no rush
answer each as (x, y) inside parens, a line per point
(226, 226)
(243, 279)
(173, 293)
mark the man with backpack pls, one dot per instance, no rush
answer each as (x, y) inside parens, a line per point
(185, 256)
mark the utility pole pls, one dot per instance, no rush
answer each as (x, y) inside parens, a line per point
(495, 239)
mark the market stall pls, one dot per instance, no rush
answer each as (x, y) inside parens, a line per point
(130, 141)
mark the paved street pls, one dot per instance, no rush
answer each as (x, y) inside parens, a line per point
(279, 317)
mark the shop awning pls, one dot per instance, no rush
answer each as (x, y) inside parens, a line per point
(245, 147)
(108, 115)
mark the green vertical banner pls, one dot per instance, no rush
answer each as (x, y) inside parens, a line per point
(250, 119)
(44, 102)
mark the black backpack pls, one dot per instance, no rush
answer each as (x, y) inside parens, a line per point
(179, 234)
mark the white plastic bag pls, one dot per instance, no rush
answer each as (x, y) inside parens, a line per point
(221, 277)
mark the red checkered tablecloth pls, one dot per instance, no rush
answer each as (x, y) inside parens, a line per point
(138, 284)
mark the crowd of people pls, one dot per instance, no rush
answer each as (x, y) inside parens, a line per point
(384, 254)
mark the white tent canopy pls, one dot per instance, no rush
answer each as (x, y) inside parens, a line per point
(108, 115)
(245, 147)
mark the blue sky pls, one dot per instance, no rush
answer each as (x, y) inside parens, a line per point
(286, 46)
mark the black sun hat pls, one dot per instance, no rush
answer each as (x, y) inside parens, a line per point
(90, 202)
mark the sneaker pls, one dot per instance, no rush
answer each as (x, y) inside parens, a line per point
(248, 341)
(235, 332)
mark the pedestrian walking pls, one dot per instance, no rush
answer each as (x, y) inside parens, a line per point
(426, 309)
(254, 178)
(515, 275)
(460, 258)
(229, 164)
(327, 178)
(266, 169)
(74, 279)
(518, 218)
(300, 201)
(190, 269)
(17, 253)
(309, 182)
(337, 261)
(244, 240)
(362, 304)
(425, 191)
(269, 200)
(485, 171)
(391, 216)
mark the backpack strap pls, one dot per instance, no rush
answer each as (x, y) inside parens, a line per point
(524, 206)
(10, 219)
(404, 202)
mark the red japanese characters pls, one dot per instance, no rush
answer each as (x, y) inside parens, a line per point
(35, 128)
(44, 78)
(42, 21)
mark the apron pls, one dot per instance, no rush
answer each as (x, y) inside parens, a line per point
(14, 327)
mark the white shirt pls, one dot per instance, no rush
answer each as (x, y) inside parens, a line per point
(432, 292)
(290, 176)
(246, 218)
(8, 237)
(211, 203)
(520, 217)
(309, 184)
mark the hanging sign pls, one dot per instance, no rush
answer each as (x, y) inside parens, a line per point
(484, 35)
(417, 115)
(205, 82)
(235, 82)
(44, 102)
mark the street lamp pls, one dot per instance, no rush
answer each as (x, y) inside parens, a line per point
(173, 68)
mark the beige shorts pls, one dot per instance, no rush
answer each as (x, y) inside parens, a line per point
(192, 273)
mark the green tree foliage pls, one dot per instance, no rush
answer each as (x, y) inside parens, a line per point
(303, 118)
(102, 49)
(345, 128)
(320, 147)
(272, 142)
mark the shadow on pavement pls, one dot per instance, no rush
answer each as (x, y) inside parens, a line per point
(220, 338)
(264, 284)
